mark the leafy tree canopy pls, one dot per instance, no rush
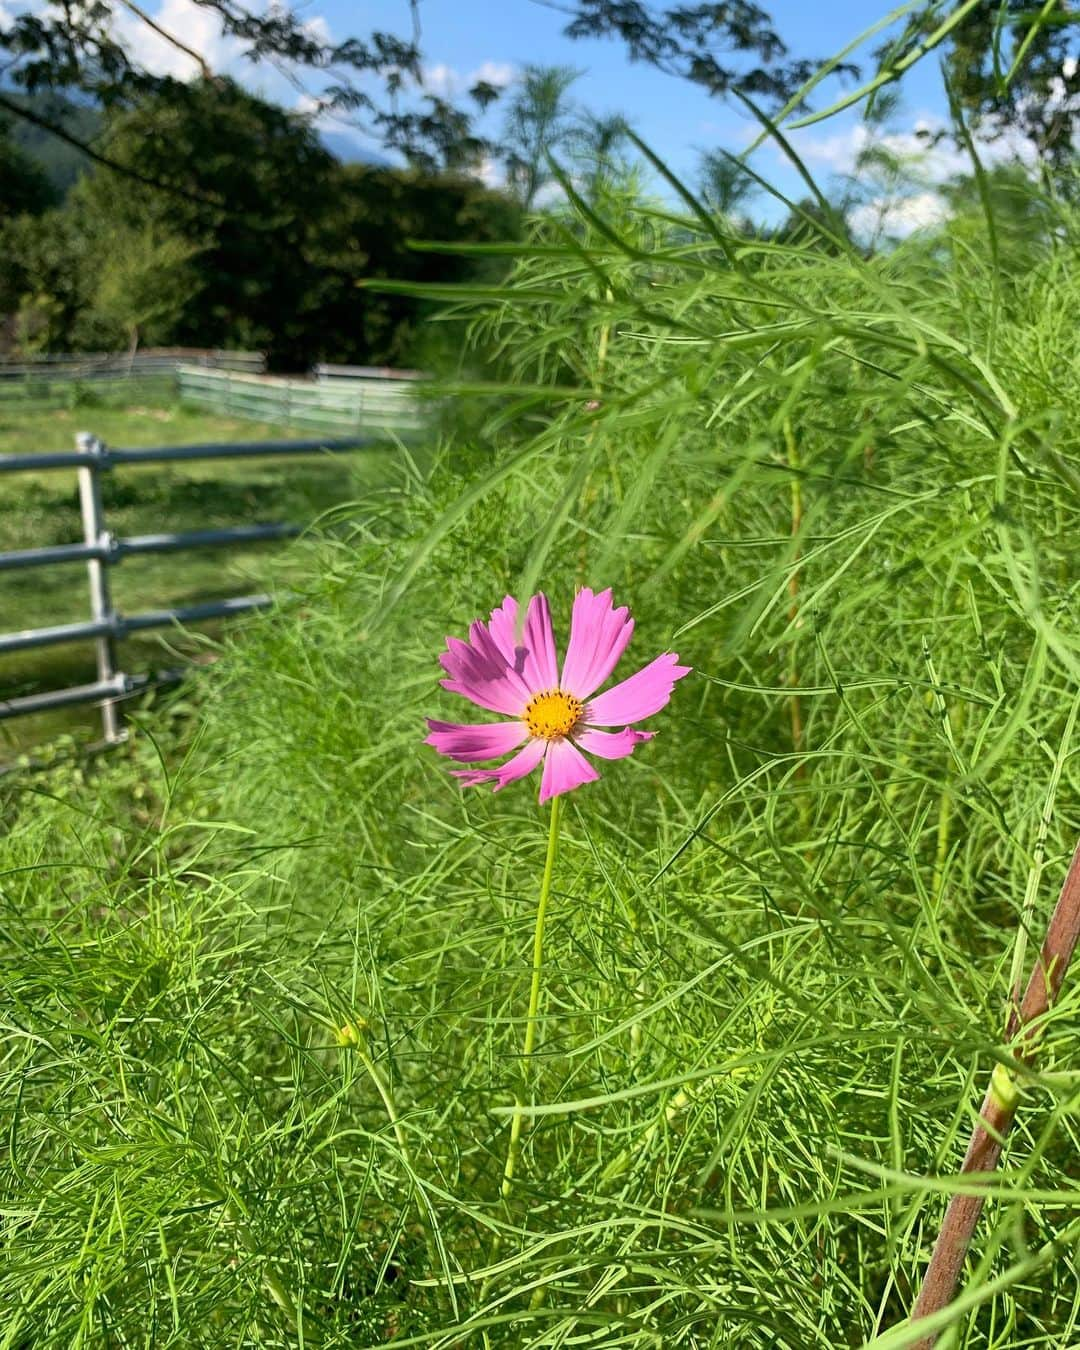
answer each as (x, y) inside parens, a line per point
(26, 188)
(1011, 67)
(263, 243)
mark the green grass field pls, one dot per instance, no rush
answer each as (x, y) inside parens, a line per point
(267, 969)
(43, 508)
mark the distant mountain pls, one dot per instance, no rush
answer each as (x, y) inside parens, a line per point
(61, 163)
(343, 147)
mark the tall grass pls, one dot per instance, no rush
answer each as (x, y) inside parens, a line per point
(266, 977)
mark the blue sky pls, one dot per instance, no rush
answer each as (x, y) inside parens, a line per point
(464, 37)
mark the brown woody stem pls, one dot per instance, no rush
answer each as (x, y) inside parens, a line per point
(999, 1105)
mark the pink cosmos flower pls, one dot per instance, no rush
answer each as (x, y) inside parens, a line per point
(555, 714)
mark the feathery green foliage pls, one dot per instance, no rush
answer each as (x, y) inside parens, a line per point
(266, 974)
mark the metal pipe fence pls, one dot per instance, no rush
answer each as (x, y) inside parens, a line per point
(101, 550)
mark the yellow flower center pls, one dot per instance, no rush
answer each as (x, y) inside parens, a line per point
(553, 714)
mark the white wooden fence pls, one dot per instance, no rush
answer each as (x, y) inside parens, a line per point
(373, 401)
(343, 399)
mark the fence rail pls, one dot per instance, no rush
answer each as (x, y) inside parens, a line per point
(51, 381)
(59, 366)
(100, 550)
(335, 398)
(325, 372)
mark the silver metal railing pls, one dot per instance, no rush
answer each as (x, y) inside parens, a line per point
(100, 550)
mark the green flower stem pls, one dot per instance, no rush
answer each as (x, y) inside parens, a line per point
(272, 1282)
(383, 1089)
(532, 1021)
(382, 1086)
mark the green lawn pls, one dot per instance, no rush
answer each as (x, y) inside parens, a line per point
(43, 508)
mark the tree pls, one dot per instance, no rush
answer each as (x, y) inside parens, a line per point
(268, 248)
(539, 119)
(44, 273)
(724, 183)
(255, 181)
(365, 236)
(144, 284)
(1012, 68)
(1038, 47)
(697, 42)
(596, 143)
(25, 186)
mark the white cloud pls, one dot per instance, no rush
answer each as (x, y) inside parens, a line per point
(836, 152)
(899, 204)
(839, 152)
(441, 80)
(10, 12)
(317, 28)
(196, 27)
(307, 105)
(498, 73)
(491, 173)
(446, 82)
(927, 160)
(897, 217)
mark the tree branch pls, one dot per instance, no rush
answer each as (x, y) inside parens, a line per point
(197, 57)
(28, 115)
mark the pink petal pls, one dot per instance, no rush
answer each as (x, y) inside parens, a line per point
(523, 762)
(467, 743)
(598, 637)
(532, 652)
(611, 744)
(503, 628)
(484, 643)
(565, 768)
(643, 694)
(494, 695)
(479, 671)
(541, 664)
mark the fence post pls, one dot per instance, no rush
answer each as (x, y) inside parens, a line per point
(94, 532)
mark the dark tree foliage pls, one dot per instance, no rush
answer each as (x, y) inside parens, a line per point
(24, 187)
(1042, 99)
(255, 179)
(44, 265)
(365, 236)
(76, 47)
(280, 232)
(1011, 67)
(697, 42)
